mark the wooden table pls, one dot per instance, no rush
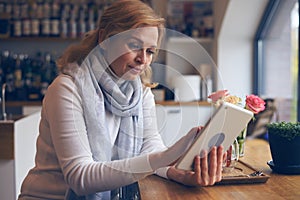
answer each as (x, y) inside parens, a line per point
(257, 153)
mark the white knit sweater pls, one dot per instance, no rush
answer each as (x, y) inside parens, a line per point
(64, 158)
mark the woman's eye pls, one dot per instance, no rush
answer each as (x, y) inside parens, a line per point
(134, 46)
(150, 51)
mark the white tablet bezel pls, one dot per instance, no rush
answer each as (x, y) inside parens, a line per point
(223, 127)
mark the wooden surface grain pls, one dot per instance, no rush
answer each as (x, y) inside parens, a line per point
(257, 154)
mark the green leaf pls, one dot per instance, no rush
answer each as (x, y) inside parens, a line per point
(288, 130)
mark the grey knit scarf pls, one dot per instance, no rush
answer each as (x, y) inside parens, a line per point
(100, 91)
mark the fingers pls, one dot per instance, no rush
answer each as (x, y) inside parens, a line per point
(197, 170)
(194, 132)
(210, 170)
(204, 169)
(207, 169)
(220, 160)
(173, 153)
(212, 166)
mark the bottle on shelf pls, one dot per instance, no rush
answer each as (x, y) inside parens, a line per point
(49, 18)
(26, 22)
(5, 17)
(1, 71)
(45, 21)
(55, 19)
(63, 28)
(48, 69)
(18, 79)
(27, 78)
(208, 23)
(65, 10)
(33, 80)
(65, 15)
(82, 28)
(34, 17)
(91, 18)
(9, 74)
(16, 21)
(193, 18)
(20, 90)
(73, 27)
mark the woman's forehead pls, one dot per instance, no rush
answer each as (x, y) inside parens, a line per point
(146, 35)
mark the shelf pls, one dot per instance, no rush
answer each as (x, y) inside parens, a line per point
(189, 103)
(39, 39)
(23, 103)
(190, 39)
(191, 0)
(58, 39)
(167, 103)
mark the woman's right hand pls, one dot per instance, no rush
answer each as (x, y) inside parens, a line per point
(173, 153)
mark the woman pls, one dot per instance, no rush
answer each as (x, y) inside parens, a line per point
(98, 127)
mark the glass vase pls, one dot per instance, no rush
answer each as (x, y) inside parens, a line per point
(232, 157)
(241, 141)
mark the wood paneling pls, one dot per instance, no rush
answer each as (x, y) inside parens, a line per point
(7, 140)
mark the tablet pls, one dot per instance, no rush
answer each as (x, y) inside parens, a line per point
(222, 128)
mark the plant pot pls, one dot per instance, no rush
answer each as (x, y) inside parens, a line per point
(285, 154)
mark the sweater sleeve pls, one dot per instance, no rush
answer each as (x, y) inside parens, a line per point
(152, 138)
(64, 115)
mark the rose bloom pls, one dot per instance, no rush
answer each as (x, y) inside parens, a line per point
(255, 103)
(233, 99)
(218, 95)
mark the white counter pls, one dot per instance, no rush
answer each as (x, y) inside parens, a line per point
(18, 139)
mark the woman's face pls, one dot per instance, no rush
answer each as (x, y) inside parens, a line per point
(132, 52)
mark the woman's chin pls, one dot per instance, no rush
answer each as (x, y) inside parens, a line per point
(130, 76)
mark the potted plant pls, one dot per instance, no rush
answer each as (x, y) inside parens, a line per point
(284, 140)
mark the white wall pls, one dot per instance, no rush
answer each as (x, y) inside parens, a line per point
(235, 45)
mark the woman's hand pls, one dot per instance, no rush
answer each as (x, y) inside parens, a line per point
(173, 153)
(205, 173)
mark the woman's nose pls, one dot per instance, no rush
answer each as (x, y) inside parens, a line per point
(141, 57)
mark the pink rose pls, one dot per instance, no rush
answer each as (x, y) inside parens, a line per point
(255, 103)
(220, 94)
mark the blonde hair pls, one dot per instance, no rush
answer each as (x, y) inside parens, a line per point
(121, 16)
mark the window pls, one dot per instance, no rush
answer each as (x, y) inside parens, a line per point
(276, 57)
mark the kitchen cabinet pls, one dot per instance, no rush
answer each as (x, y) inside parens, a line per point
(17, 152)
(174, 121)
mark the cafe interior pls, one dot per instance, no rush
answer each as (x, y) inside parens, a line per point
(246, 47)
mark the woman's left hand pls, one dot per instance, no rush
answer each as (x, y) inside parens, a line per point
(204, 173)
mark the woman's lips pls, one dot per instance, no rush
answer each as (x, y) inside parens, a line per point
(135, 70)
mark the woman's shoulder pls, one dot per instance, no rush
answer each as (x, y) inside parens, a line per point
(61, 89)
(62, 84)
(62, 80)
